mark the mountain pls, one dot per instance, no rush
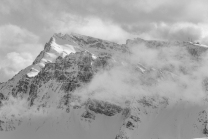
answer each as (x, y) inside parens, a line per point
(84, 87)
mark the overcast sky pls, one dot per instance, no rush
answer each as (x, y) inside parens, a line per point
(26, 25)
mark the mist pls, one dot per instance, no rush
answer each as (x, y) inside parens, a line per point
(166, 72)
(171, 72)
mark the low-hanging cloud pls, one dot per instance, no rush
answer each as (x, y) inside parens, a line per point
(170, 72)
(90, 26)
(178, 32)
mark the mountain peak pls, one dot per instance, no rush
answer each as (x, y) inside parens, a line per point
(59, 86)
(64, 44)
(58, 45)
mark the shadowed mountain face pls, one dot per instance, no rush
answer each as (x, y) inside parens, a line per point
(84, 87)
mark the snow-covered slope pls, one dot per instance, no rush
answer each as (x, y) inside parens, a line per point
(55, 48)
(57, 96)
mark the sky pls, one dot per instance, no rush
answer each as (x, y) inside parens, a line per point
(26, 25)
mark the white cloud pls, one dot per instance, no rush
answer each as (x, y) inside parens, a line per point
(19, 60)
(90, 26)
(179, 31)
(13, 63)
(18, 48)
(105, 19)
(171, 73)
(15, 38)
(182, 31)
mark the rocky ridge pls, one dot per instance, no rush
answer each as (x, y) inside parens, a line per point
(69, 62)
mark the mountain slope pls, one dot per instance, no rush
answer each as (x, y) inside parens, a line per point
(70, 91)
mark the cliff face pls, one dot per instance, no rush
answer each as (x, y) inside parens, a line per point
(48, 91)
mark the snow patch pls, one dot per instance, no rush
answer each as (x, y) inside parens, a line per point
(58, 47)
(198, 44)
(93, 56)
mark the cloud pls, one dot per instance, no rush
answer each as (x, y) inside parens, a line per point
(106, 19)
(90, 26)
(13, 37)
(179, 31)
(26, 24)
(136, 17)
(18, 48)
(205, 40)
(170, 72)
(13, 63)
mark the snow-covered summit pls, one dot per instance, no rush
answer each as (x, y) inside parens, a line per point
(57, 46)
(62, 45)
(52, 97)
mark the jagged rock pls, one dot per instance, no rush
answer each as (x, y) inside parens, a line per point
(102, 107)
(69, 63)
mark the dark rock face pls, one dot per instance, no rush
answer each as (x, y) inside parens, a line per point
(98, 44)
(202, 119)
(71, 71)
(64, 76)
(88, 115)
(67, 74)
(102, 107)
(1, 98)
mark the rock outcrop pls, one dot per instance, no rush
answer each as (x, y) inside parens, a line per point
(69, 62)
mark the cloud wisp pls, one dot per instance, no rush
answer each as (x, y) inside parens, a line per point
(112, 20)
(164, 72)
(170, 72)
(138, 17)
(18, 48)
(90, 26)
